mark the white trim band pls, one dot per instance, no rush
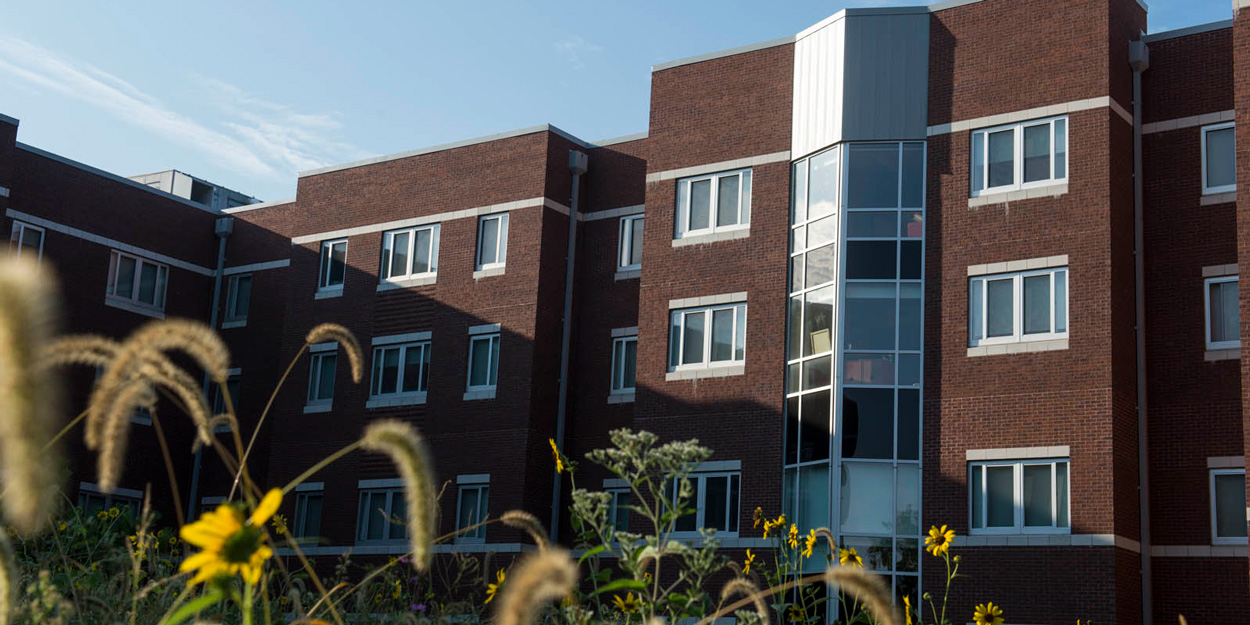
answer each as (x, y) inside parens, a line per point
(4, 192)
(253, 267)
(707, 300)
(1217, 271)
(124, 492)
(1050, 540)
(107, 242)
(328, 346)
(402, 338)
(711, 168)
(1199, 551)
(486, 328)
(390, 482)
(1018, 453)
(1042, 262)
(259, 205)
(1226, 462)
(623, 211)
(310, 487)
(1188, 122)
(420, 221)
(1033, 113)
(621, 332)
(473, 478)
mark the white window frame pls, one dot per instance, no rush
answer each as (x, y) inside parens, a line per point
(316, 359)
(981, 135)
(501, 242)
(325, 263)
(1216, 539)
(1018, 335)
(625, 245)
(740, 316)
(1018, 497)
(1227, 188)
(232, 315)
(745, 186)
(1206, 322)
(618, 378)
(299, 520)
(492, 375)
(380, 350)
(160, 290)
(701, 496)
(388, 238)
(129, 497)
(18, 236)
(480, 490)
(394, 496)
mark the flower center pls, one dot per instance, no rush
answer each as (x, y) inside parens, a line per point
(240, 546)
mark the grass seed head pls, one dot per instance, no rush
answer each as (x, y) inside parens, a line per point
(407, 449)
(327, 332)
(541, 577)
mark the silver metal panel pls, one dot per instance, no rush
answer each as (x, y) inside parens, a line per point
(818, 78)
(886, 84)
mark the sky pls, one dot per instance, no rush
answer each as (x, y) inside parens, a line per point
(247, 93)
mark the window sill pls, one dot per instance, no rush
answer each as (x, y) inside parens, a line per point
(329, 293)
(1212, 199)
(713, 237)
(391, 402)
(1215, 355)
(628, 274)
(314, 408)
(1018, 348)
(128, 305)
(488, 272)
(476, 395)
(723, 371)
(391, 285)
(621, 397)
(998, 197)
(239, 323)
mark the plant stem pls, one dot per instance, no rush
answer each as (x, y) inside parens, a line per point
(265, 413)
(319, 466)
(247, 603)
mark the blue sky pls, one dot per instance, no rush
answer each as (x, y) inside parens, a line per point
(247, 93)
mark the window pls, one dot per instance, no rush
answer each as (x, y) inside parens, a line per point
(321, 375)
(238, 298)
(618, 511)
(1219, 159)
(714, 500)
(91, 500)
(307, 521)
(471, 509)
(492, 241)
(400, 369)
(1228, 506)
(333, 265)
(26, 240)
(483, 361)
(707, 337)
(707, 204)
(1019, 156)
(381, 515)
(1223, 316)
(629, 254)
(1024, 496)
(624, 359)
(409, 253)
(232, 386)
(1011, 308)
(137, 281)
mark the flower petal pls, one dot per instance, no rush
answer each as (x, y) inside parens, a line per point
(267, 507)
(202, 559)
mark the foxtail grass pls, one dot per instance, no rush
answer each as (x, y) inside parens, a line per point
(742, 586)
(866, 587)
(8, 580)
(327, 332)
(523, 520)
(29, 394)
(538, 579)
(115, 433)
(407, 449)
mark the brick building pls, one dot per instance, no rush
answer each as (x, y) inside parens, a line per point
(971, 264)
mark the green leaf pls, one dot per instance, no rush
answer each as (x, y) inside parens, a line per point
(621, 584)
(189, 609)
(591, 553)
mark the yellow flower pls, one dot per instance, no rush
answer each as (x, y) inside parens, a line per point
(746, 564)
(113, 512)
(794, 536)
(809, 543)
(758, 516)
(850, 557)
(230, 543)
(988, 614)
(491, 589)
(796, 614)
(555, 451)
(907, 609)
(60, 526)
(102, 515)
(629, 605)
(395, 591)
(938, 542)
(279, 524)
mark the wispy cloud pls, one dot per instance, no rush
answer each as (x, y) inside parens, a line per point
(574, 50)
(252, 137)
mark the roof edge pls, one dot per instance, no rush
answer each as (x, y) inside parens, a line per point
(621, 139)
(690, 60)
(11, 120)
(1188, 30)
(258, 205)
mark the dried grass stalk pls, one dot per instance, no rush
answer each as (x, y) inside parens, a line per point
(327, 332)
(867, 588)
(115, 433)
(523, 520)
(87, 349)
(30, 407)
(407, 449)
(743, 586)
(8, 580)
(538, 579)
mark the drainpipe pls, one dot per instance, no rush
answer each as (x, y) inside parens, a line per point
(225, 226)
(578, 162)
(1139, 60)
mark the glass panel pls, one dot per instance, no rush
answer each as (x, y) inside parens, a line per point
(814, 441)
(821, 265)
(798, 239)
(1215, 304)
(867, 499)
(311, 520)
(908, 424)
(794, 377)
(397, 524)
(910, 316)
(1037, 304)
(162, 276)
(325, 385)
(822, 231)
(620, 510)
(494, 360)
(912, 226)
(1037, 152)
(813, 496)
(913, 174)
(1221, 159)
(674, 340)
(631, 363)
(868, 423)
(978, 161)
(489, 246)
(338, 263)
(399, 254)
(1037, 495)
(870, 315)
(1061, 494)
(873, 260)
(907, 557)
(147, 283)
(242, 297)
(818, 321)
(909, 260)
(792, 430)
(421, 261)
(862, 224)
(908, 522)
(978, 499)
(727, 201)
(1229, 307)
(715, 503)
(468, 508)
(822, 196)
(909, 369)
(1061, 301)
(796, 273)
(976, 325)
(1061, 149)
(875, 369)
(31, 241)
(798, 193)
(740, 331)
(745, 217)
(618, 363)
(1000, 497)
(692, 338)
(795, 341)
(878, 553)
(1002, 158)
(872, 176)
(688, 522)
(635, 242)
(413, 360)
(1000, 308)
(1230, 506)
(479, 362)
(390, 371)
(377, 515)
(700, 204)
(787, 493)
(722, 334)
(125, 276)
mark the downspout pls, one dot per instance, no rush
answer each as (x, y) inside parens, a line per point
(578, 162)
(224, 226)
(1139, 60)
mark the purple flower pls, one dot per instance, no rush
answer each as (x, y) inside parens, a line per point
(417, 607)
(404, 559)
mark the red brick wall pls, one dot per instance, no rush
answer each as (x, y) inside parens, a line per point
(1241, 103)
